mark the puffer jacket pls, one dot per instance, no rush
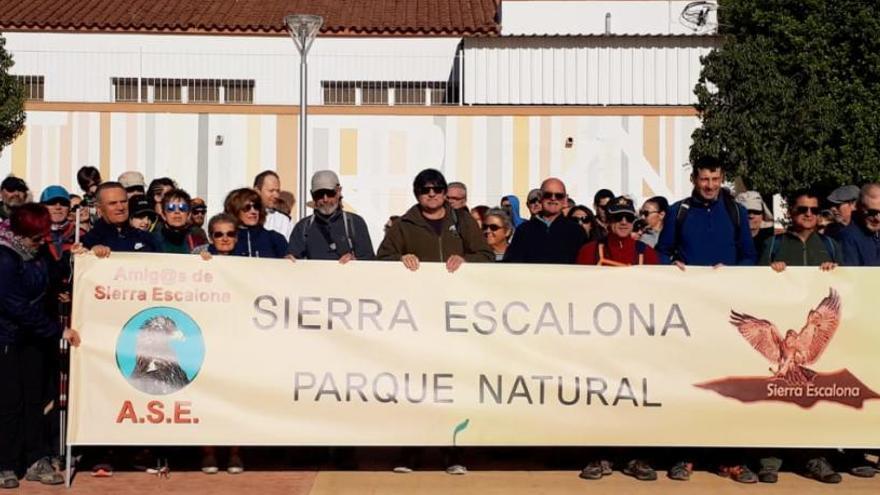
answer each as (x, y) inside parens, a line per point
(24, 284)
(257, 242)
(412, 234)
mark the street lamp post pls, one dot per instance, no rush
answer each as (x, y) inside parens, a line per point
(303, 29)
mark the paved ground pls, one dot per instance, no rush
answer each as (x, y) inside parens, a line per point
(432, 482)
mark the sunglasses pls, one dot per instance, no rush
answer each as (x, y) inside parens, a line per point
(646, 213)
(251, 207)
(551, 195)
(872, 213)
(583, 220)
(181, 207)
(323, 193)
(431, 189)
(534, 201)
(756, 212)
(229, 234)
(199, 211)
(492, 227)
(802, 210)
(623, 217)
(58, 202)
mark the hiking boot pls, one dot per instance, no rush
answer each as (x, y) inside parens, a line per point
(593, 471)
(606, 467)
(864, 471)
(769, 472)
(820, 469)
(8, 479)
(236, 465)
(640, 470)
(681, 471)
(209, 465)
(740, 474)
(43, 472)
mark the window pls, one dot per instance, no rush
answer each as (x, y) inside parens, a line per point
(34, 87)
(388, 93)
(168, 90)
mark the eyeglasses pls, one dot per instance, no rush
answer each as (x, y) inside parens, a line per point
(802, 210)
(492, 227)
(430, 189)
(181, 207)
(647, 213)
(583, 220)
(251, 207)
(757, 212)
(229, 234)
(559, 196)
(322, 193)
(534, 201)
(623, 217)
(872, 213)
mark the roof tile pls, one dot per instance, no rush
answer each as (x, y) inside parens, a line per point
(341, 17)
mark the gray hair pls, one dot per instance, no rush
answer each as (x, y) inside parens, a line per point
(505, 219)
(457, 185)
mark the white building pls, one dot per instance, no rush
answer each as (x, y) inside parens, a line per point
(496, 94)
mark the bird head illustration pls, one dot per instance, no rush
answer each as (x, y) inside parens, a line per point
(155, 338)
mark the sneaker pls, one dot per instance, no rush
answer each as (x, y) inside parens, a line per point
(593, 471)
(740, 474)
(606, 467)
(43, 472)
(864, 471)
(402, 470)
(640, 470)
(820, 469)
(102, 471)
(681, 471)
(456, 469)
(209, 465)
(769, 472)
(8, 479)
(236, 466)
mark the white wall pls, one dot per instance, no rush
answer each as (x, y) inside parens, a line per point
(588, 17)
(79, 67)
(584, 70)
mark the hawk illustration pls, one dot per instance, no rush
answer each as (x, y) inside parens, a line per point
(156, 369)
(798, 349)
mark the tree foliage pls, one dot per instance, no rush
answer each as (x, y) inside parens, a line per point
(11, 100)
(792, 97)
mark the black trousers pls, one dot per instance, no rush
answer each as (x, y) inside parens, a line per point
(22, 398)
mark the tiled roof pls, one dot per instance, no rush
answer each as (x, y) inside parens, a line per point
(341, 17)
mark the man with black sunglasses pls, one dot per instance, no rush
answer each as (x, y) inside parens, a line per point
(548, 237)
(861, 238)
(330, 233)
(802, 244)
(433, 231)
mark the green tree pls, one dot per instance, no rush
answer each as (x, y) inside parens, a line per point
(11, 100)
(791, 98)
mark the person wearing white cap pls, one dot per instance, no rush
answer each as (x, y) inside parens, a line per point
(268, 185)
(760, 218)
(133, 182)
(330, 233)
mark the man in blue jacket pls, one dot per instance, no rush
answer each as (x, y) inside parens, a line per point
(113, 232)
(861, 238)
(709, 228)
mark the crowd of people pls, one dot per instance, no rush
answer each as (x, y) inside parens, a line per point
(711, 227)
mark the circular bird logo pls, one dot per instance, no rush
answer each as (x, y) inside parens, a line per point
(160, 350)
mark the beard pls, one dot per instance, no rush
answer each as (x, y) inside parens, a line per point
(327, 210)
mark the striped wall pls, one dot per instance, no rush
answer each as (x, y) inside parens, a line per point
(376, 156)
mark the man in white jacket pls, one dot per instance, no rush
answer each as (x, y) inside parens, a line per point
(268, 185)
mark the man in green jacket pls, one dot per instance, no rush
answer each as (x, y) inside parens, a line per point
(802, 244)
(432, 231)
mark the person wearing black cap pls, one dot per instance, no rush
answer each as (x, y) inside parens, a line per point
(13, 192)
(140, 213)
(843, 203)
(618, 248)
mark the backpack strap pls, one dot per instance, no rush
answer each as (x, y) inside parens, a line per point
(683, 209)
